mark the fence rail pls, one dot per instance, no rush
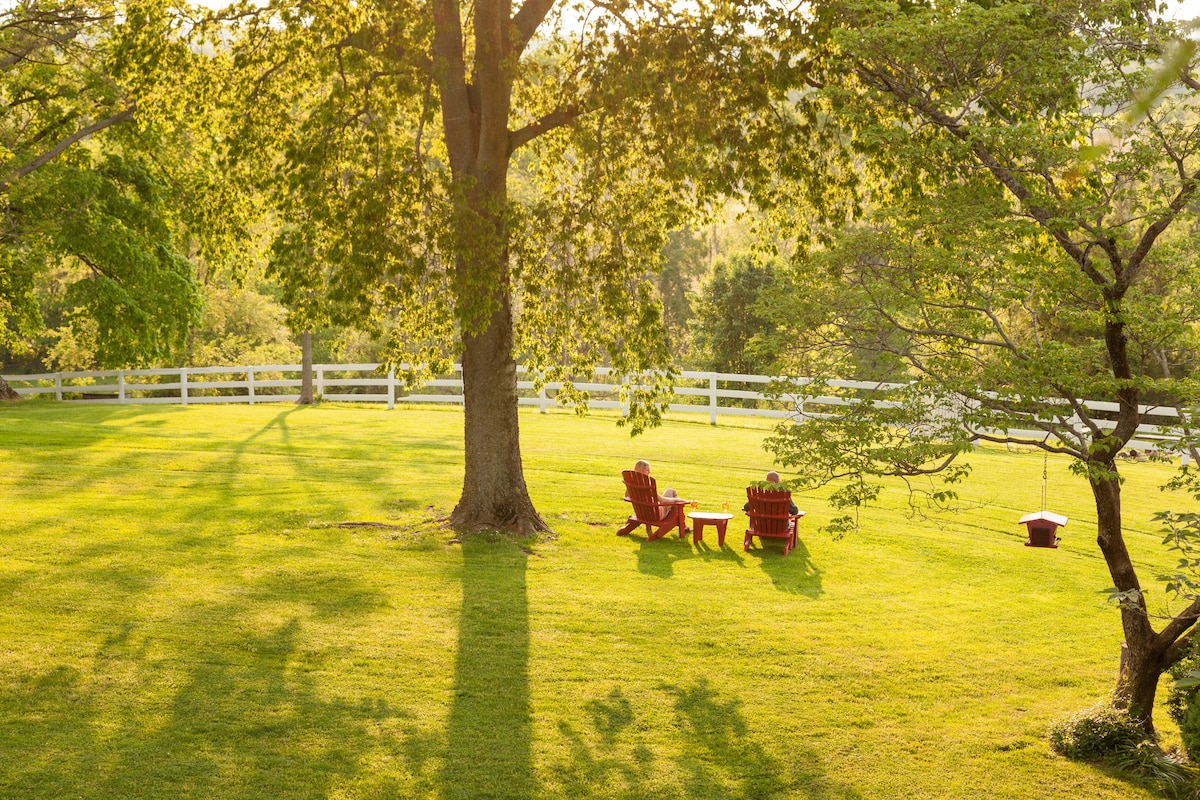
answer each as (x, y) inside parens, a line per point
(712, 393)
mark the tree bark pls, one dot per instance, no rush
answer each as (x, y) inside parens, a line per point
(306, 370)
(475, 117)
(7, 393)
(1137, 682)
(494, 494)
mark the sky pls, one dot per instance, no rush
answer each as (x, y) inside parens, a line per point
(1188, 9)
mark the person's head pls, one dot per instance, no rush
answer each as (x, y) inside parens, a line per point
(642, 466)
(772, 477)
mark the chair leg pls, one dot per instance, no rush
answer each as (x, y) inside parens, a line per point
(675, 519)
(630, 524)
(746, 542)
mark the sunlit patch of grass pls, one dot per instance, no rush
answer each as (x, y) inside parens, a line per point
(266, 602)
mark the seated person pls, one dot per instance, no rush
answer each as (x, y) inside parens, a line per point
(773, 477)
(668, 496)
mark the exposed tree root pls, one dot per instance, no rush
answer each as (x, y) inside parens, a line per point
(525, 522)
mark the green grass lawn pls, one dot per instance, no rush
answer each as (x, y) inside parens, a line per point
(179, 617)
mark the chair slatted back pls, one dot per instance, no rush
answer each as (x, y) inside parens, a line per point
(769, 511)
(643, 493)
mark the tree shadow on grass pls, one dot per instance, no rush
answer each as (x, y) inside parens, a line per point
(795, 573)
(215, 700)
(488, 753)
(310, 491)
(46, 443)
(719, 759)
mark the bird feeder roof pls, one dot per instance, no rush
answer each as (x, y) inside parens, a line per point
(1046, 516)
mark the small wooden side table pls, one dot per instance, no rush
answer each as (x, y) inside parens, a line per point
(701, 518)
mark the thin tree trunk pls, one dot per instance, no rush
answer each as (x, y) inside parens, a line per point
(306, 369)
(7, 393)
(1137, 682)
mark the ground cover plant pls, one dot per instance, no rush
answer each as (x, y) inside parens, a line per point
(181, 616)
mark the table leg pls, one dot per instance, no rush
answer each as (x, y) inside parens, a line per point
(721, 532)
(698, 530)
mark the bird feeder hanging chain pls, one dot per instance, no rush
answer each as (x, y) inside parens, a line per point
(1045, 462)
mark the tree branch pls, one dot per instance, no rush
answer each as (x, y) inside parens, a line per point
(555, 119)
(1184, 196)
(1178, 626)
(55, 151)
(1003, 174)
(526, 21)
(450, 69)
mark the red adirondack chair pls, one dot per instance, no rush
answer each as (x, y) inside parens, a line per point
(658, 517)
(770, 517)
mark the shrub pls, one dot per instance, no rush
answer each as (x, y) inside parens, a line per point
(1100, 733)
(1111, 736)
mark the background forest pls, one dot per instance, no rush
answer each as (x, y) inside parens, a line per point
(712, 284)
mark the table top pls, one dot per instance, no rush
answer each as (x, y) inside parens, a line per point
(709, 515)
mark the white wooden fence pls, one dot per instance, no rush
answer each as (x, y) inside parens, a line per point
(698, 392)
(712, 393)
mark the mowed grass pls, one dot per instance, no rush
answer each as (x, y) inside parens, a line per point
(179, 617)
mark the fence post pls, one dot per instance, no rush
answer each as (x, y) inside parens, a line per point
(58, 386)
(183, 386)
(250, 384)
(391, 388)
(712, 399)
(121, 386)
(542, 398)
(320, 382)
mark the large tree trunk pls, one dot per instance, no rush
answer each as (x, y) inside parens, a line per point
(306, 369)
(494, 494)
(7, 393)
(475, 117)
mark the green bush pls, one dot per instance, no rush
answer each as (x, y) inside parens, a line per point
(1183, 705)
(1110, 736)
(1100, 733)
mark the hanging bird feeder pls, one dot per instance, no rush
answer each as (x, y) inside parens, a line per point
(1043, 525)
